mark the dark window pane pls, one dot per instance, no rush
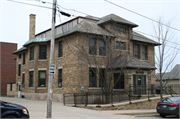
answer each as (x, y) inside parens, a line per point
(19, 70)
(31, 78)
(102, 47)
(42, 51)
(19, 56)
(92, 47)
(118, 81)
(92, 77)
(24, 58)
(101, 77)
(42, 79)
(136, 51)
(23, 78)
(60, 78)
(10, 86)
(120, 45)
(144, 52)
(60, 48)
(32, 53)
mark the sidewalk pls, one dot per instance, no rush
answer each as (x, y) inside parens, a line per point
(37, 110)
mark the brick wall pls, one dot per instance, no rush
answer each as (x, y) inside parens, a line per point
(8, 65)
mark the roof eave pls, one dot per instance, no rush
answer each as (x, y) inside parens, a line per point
(156, 44)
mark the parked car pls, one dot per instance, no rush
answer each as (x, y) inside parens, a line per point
(9, 110)
(169, 106)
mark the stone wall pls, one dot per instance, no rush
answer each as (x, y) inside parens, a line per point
(11, 93)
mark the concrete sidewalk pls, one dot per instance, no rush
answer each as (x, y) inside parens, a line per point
(37, 110)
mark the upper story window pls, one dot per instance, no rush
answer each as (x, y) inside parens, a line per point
(60, 78)
(70, 25)
(31, 56)
(102, 47)
(23, 78)
(42, 79)
(64, 28)
(24, 58)
(19, 70)
(43, 35)
(144, 52)
(19, 56)
(42, 51)
(60, 49)
(136, 51)
(120, 45)
(92, 46)
(92, 77)
(120, 30)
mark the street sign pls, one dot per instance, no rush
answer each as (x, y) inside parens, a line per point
(52, 69)
(82, 87)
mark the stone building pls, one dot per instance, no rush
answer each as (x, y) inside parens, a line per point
(32, 70)
(8, 68)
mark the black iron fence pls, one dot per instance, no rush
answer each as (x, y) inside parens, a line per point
(134, 92)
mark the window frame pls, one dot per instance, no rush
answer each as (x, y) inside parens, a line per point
(64, 28)
(42, 55)
(24, 58)
(31, 54)
(94, 83)
(93, 49)
(101, 75)
(19, 70)
(59, 78)
(31, 81)
(102, 50)
(23, 79)
(137, 53)
(120, 45)
(19, 56)
(120, 84)
(41, 79)
(70, 25)
(60, 54)
(144, 52)
(10, 86)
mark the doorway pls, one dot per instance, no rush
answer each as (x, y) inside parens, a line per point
(139, 84)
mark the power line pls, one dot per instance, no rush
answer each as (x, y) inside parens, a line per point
(141, 15)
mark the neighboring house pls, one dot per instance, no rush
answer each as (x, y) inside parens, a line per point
(8, 68)
(33, 68)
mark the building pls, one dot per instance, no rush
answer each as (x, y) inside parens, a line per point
(8, 68)
(33, 68)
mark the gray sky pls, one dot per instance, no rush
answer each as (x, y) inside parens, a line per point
(14, 19)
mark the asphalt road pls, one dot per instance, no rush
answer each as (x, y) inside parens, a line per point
(154, 116)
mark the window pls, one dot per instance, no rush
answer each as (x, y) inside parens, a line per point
(10, 86)
(31, 53)
(69, 25)
(144, 52)
(19, 56)
(60, 78)
(42, 79)
(101, 77)
(24, 57)
(120, 30)
(64, 28)
(102, 47)
(43, 35)
(60, 48)
(31, 73)
(23, 78)
(92, 77)
(19, 70)
(92, 47)
(136, 51)
(118, 81)
(42, 51)
(120, 45)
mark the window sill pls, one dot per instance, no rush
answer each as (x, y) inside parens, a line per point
(59, 87)
(41, 87)
(60, 57)
(31, 88)
(23, 65)
(118, 89)
(121, 50)
(42, 59)
(31, 60)
(97, 55)
(94, 88)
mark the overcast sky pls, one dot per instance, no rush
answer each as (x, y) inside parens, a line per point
(14, 21)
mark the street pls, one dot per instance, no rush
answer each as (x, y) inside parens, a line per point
(153, 116)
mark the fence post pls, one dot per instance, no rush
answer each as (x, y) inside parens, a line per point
(74, 99)
(64, 99)
(86, 99)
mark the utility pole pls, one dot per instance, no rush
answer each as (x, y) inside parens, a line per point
(51, 77)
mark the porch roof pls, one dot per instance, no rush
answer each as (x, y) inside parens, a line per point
(127, 61)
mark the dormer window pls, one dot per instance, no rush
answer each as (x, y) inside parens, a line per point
(64, 28)
(120, 45)
(70, 25)
(120, 30)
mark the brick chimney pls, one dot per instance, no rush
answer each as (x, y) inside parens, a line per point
(32, 21)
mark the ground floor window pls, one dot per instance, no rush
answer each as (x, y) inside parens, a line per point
(60, 78)
(31, 73)
(92, 77)
(42, 79)
(118, 81)
(23, 77)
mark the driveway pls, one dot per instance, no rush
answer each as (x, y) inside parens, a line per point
(37, 110)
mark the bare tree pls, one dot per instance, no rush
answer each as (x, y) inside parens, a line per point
(166, 52)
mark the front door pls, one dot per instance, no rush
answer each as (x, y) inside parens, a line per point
(139, 84)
